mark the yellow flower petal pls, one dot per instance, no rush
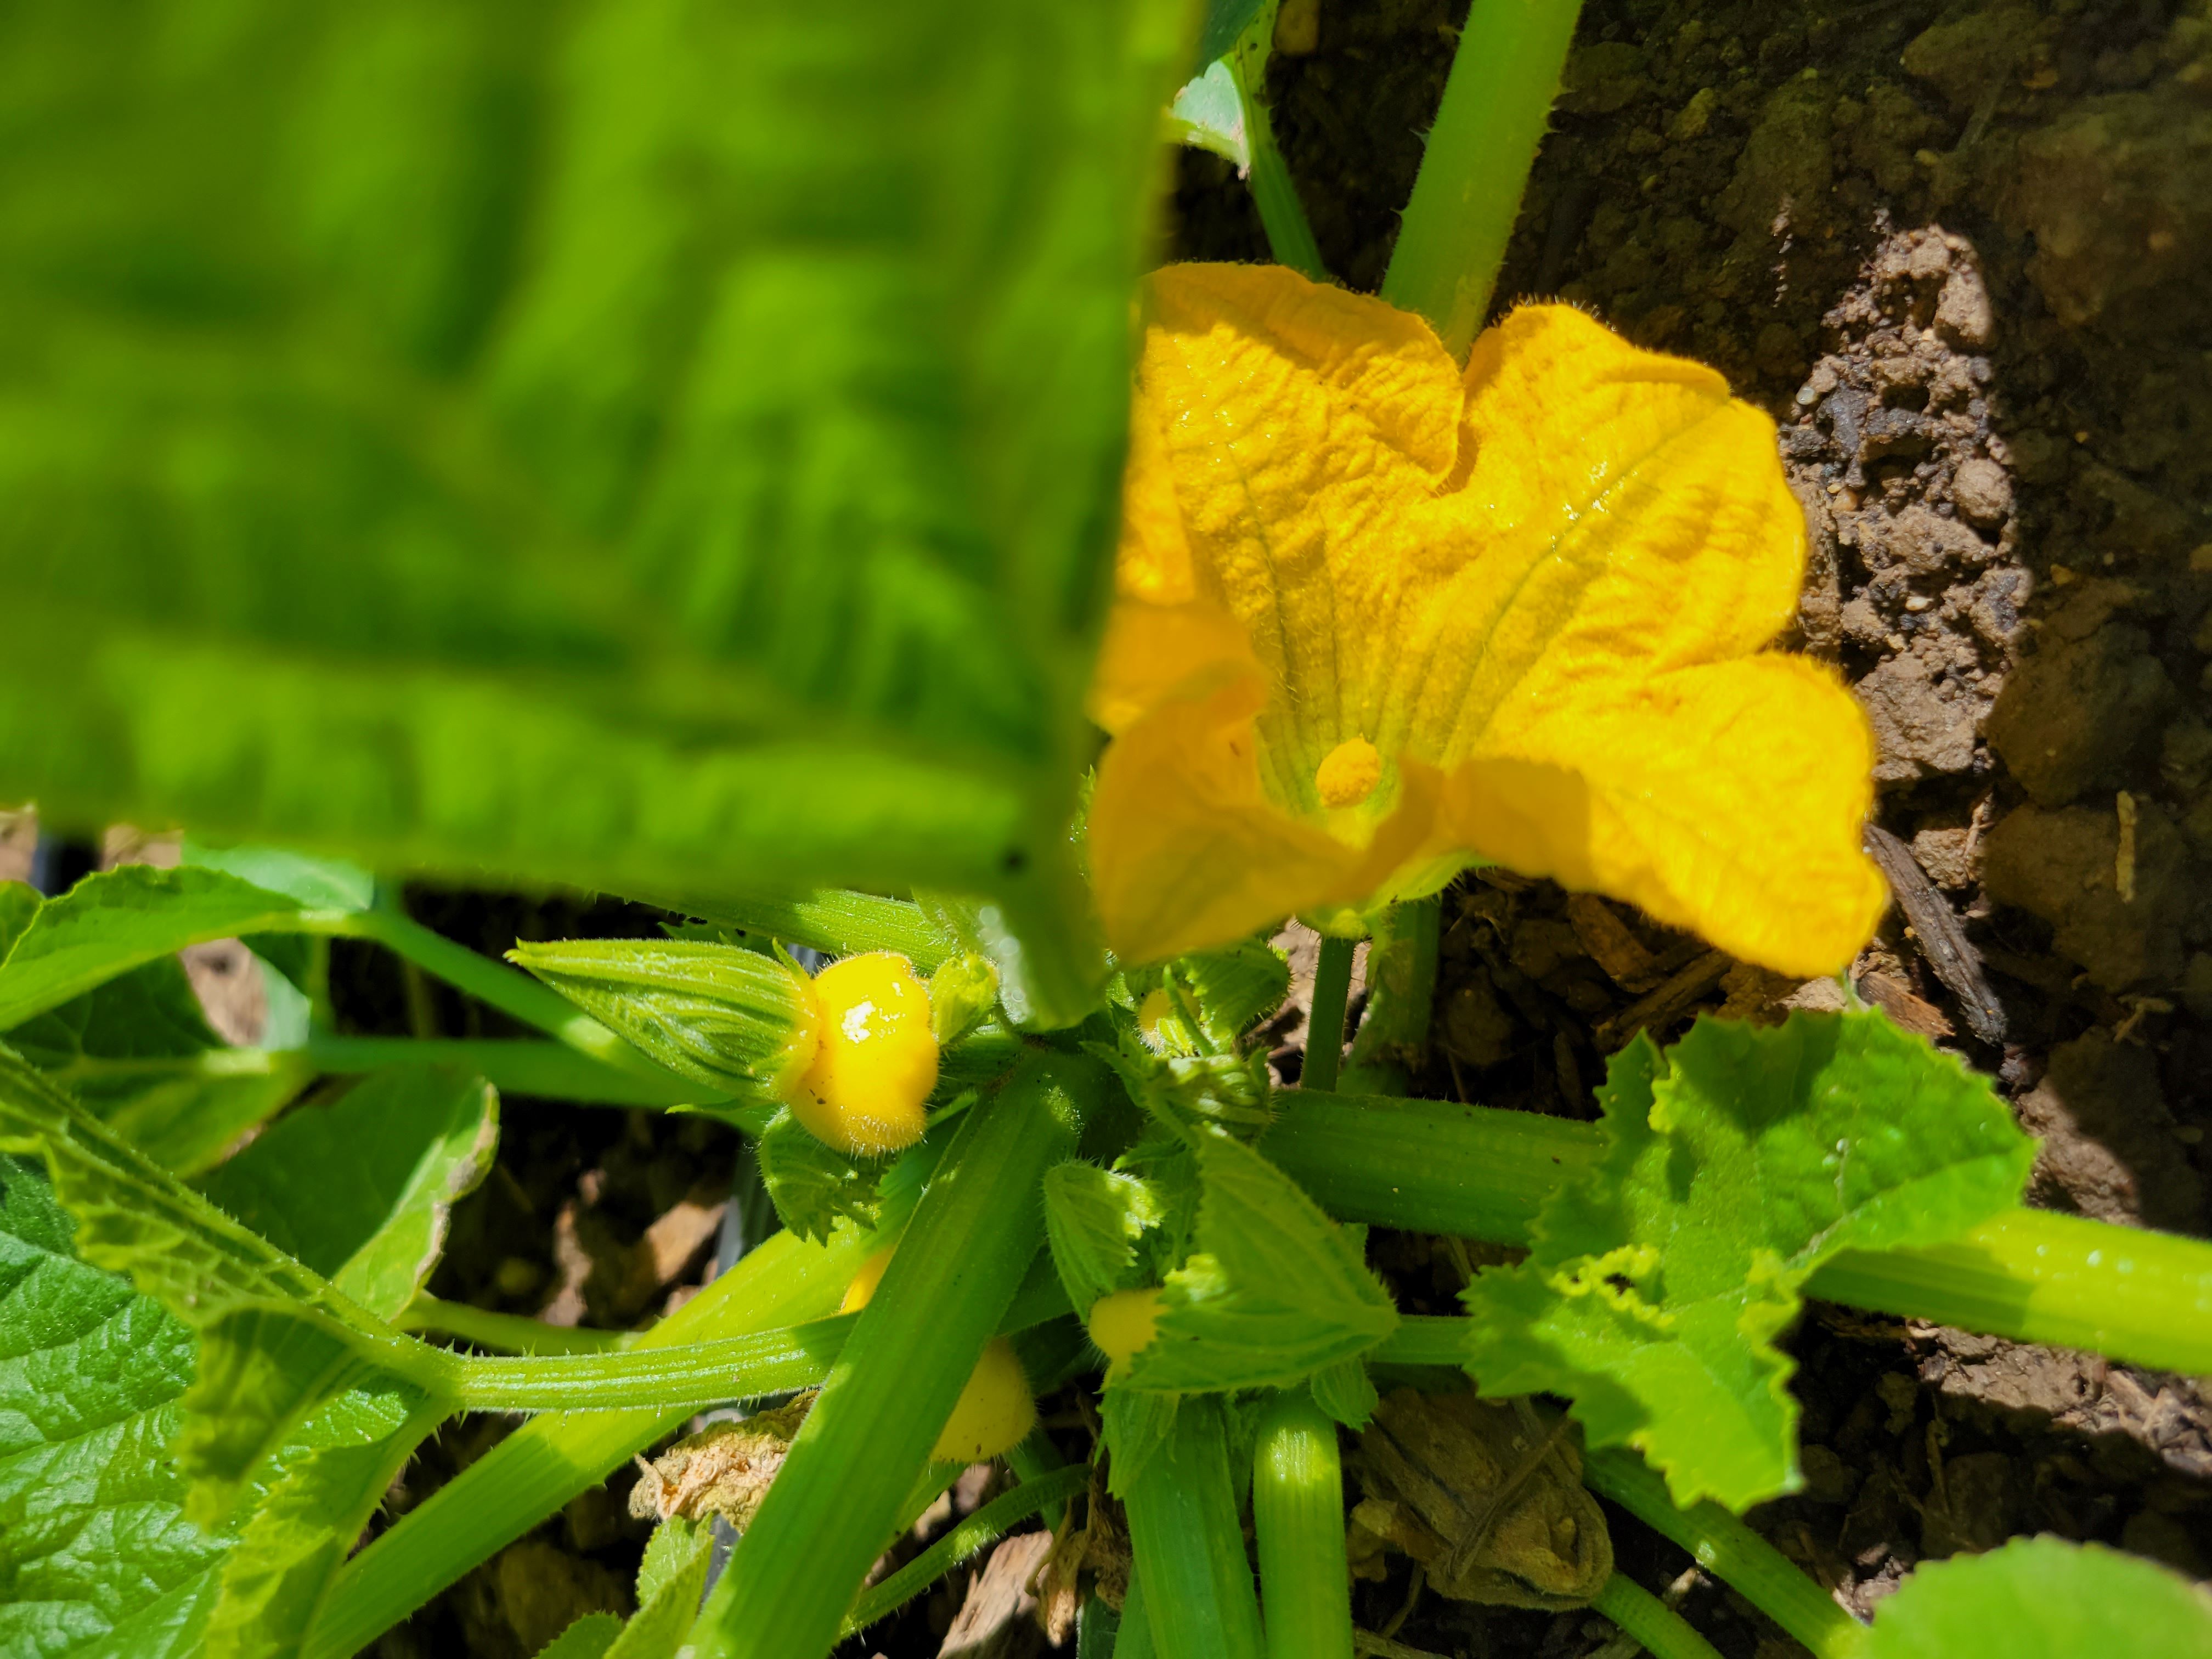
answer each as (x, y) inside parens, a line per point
(1719, 799)
(1543, 577)
(1186, 849)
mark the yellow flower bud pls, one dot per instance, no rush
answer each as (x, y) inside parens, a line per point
(876, 1060)
(994, 1412)
(1123, 1325)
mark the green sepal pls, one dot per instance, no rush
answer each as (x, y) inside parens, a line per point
(963, 993)
(812, 1184)
(1223, 1091)
(1093, 1219)
(741, 1023)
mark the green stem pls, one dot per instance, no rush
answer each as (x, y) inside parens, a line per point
(521, 1065)
(1096, 1628)
(1725, 1547)
(1189, 1546)
(963, 1542)
(687, 1377)
(1496, 105)
(1643, 1615)
(1325, 1023)
(1428, 1166)
(512, 992)
(1297, 1516)
(1290, 237)
(1132, 1638)
(1424, 1340)
(793, 1576)
(2137, 1296)
(829, 920)
(1402, 984)
(548, 1461)
(510, 1333)
(1038, 1459)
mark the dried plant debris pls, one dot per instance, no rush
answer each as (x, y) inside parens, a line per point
(1485, 1494)
(724, 1470)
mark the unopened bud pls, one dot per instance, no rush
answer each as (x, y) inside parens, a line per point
(740, 1023)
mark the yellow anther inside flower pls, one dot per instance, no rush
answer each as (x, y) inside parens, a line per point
(876, 1061)
(1347, 774)
(1123, 1325)
(994, 1412)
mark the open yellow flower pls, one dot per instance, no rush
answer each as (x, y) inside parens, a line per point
(1376, 616)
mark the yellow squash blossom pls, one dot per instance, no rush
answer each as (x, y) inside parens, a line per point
(1378, 616)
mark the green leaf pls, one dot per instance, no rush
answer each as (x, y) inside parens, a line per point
(634, 446)
(740, 1023)
(1136, 1426)
(327, 1480)
(19, 903)
(1345, 1391)
(811, 1183)
(1276, 1292)
(1093, 1219)
(96, 1556)
(1224, 19)
(138, 1052)
(589, 1638)
(317, 884)
(361, 1189)
(670, 1582)
(112, 922)
(2044, 1598)
(1738, 1163)
(840, 924)
(134, 1217)
(1208, 113)
(1235, 987)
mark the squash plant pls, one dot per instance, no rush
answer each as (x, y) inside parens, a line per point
(688, 451)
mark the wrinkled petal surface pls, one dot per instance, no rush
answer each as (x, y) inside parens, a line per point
(1541, 584)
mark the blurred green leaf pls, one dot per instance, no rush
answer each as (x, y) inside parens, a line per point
(96, 1556)
(1276, 1292)
(1093, 1219)
(138, 1054)
(811, 1183)
(361, 1189)
(589, 1638)
(1738, 1162)
(2044, 1598)
(652, 447)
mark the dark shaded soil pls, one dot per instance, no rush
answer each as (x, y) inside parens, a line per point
(1957, 252)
